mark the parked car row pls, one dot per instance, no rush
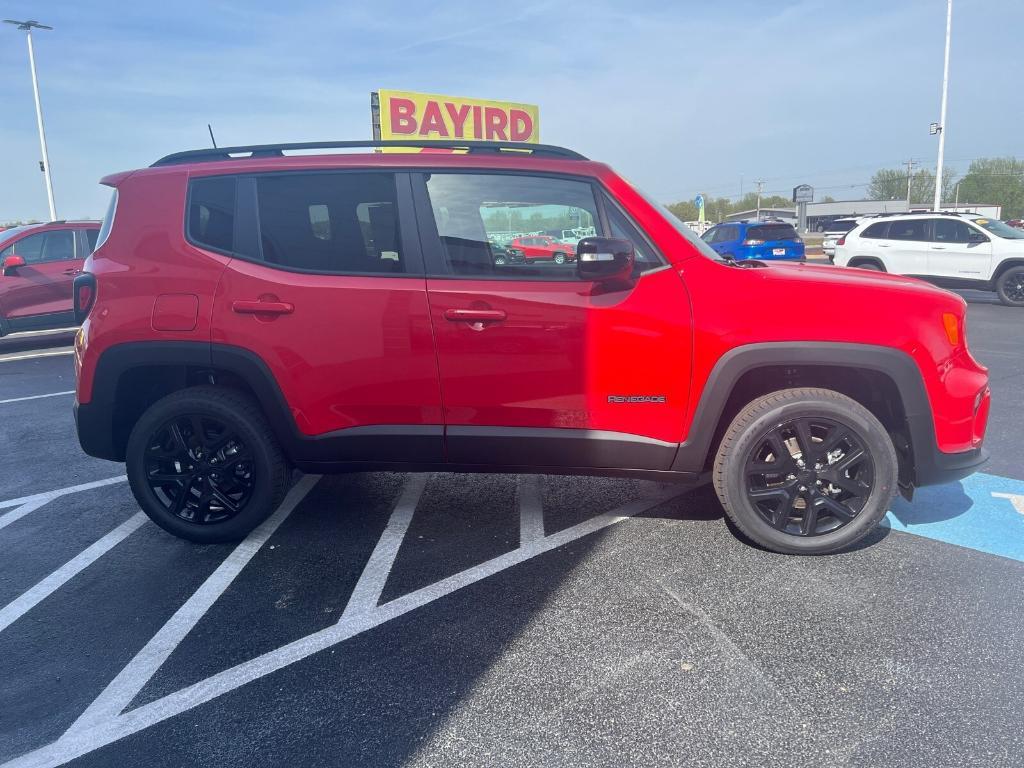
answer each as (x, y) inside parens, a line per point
(951, 250)
(38, 263)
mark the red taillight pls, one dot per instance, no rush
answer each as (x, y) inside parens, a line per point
(84, 295)
(841, 240)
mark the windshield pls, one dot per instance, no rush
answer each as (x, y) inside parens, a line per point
(7, 234)
(678, 225)
(1000, 229)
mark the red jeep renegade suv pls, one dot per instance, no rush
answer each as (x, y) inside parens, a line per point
(248, 311)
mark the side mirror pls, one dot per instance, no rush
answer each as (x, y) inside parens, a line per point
(604, 258)
(11, 264)
(977, 237)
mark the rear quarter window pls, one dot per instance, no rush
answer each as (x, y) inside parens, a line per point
(211, 212)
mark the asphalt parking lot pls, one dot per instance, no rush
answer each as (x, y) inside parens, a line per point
(387, 619)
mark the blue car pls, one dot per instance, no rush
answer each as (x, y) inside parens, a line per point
(756, 240)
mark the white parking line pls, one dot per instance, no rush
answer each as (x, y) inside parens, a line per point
(531, 512)
(49, 496)
(18, 607)
(371, 582)
(11, 358)
(123, 688)
(101, 724)
(36, 397)
(48, 332)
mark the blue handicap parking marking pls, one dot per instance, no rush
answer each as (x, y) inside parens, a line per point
(983, 512)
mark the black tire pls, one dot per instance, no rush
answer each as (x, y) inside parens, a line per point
(252, 457)
(755, 428)
(559, 258)
(1010, 287)
(871, 266)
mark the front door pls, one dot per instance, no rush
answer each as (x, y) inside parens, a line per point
(43, 286)
(327, 290)
(538, 368)
(953, 255)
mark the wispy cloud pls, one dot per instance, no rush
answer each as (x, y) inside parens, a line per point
(681, 97)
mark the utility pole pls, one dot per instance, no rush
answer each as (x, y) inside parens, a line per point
(910, 177)
(27, 27)
(942, 116)
(760, 187)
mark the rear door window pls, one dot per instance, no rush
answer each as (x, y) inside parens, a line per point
(335, 223)
(728, 234)
(913, 229)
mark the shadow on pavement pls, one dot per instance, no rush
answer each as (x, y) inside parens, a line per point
(932, 505)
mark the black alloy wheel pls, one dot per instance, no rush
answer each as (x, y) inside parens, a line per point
(1011, 287)
(809, 476)
(199, 469)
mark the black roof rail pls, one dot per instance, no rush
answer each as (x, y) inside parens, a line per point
(213, 154)
(916, 213)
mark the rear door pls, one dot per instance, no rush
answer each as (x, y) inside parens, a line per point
(539, 368)
(953, 256)
(43, 285)
(907, 246)
(327, 290)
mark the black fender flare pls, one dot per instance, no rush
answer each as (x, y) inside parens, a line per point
(929, 464)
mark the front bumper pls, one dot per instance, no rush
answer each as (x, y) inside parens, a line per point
(936, 467)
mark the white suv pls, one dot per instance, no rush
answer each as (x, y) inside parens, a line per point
(949, 249)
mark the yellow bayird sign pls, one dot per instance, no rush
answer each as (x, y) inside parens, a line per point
(430, 117)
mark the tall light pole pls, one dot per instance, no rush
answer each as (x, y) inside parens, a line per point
(28, 26)
(942, 117)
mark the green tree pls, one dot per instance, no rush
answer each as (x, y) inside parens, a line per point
(828, 199)
(891, 184)
(686, 210)
(997, 181)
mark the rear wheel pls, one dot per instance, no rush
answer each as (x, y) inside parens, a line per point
(805, 471)
(204, 464)
(872, 266)
(1010, 287)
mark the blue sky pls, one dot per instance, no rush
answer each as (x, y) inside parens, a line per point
(681, 97)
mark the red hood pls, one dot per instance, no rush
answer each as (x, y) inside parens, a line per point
(823, 275)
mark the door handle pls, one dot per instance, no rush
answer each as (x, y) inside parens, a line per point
(938, 247)
(262, 307)
(72, 271)
(474, 315)
(883, 245)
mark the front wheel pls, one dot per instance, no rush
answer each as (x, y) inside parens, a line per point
(204, 464)
(805, 471)
(1010, 287)
(559, 258)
